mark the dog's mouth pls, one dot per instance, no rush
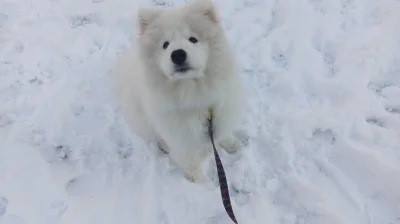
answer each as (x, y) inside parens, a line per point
(184, 72)
(182, 69)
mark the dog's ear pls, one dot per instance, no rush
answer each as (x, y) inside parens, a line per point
(207, 8)
(146, 16)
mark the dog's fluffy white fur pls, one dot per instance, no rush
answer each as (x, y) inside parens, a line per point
(162, 103)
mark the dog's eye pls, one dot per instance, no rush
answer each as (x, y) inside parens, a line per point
(193, 40)
(165, 45)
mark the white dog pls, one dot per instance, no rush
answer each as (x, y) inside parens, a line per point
(183, 66)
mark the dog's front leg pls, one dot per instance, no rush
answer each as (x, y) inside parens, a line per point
(191, 164)
(225, 122)
(184, 144)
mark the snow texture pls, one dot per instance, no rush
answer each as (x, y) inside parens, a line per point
(321, 129)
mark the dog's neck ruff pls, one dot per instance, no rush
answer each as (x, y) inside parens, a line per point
(223, 184)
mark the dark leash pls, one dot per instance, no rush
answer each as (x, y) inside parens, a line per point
(223, 185)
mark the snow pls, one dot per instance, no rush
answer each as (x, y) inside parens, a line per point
(321, 129)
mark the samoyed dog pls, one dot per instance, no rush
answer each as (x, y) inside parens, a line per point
(183, 65)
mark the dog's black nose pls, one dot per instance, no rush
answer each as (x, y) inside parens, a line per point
(178, 57)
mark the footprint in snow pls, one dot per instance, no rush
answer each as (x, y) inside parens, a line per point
(3, 19)
(62, 152)
(58, 209)
(125, 152)
(279, 59)
(3, 205)
(162, 3)
(241, 196)
(393, 109)
(385, 90)
(243, 137)
(279, 53)
(326, 136)
(375, 121)
(81, 20)
(52, 153)
(386, 122)
(7, 119)
(327, 51)
(389, 92)
(329, 57)
(12, 51)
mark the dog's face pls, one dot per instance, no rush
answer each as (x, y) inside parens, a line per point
(182, 53)
(177, 41)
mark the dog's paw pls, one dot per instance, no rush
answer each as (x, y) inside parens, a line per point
(196, 176)
(231, 145)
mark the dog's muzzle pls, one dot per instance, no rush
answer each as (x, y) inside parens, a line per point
(182, 69)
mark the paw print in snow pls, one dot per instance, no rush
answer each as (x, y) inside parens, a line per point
(280, 60)
(279, 57)
(36, 81)
(375, 121)
(162, 2)
(3, 19)
(58, 208)
(393, 106)
(7, 119)
(62, 152)
(329, 57)
(386, 122)
(3, 205)
(393, 110)
(240, 196)
(391, 93)
(12, 51)
(279, 53)
(82, 20)
(327, 136)
(328, 53)
(243, 137)
(385, 89)
(377, 87)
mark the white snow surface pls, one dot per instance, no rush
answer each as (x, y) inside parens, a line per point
(321, 128)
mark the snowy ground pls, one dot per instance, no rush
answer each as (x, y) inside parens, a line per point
(323, 117)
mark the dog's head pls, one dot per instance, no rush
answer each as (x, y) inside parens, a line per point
(177, 41)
